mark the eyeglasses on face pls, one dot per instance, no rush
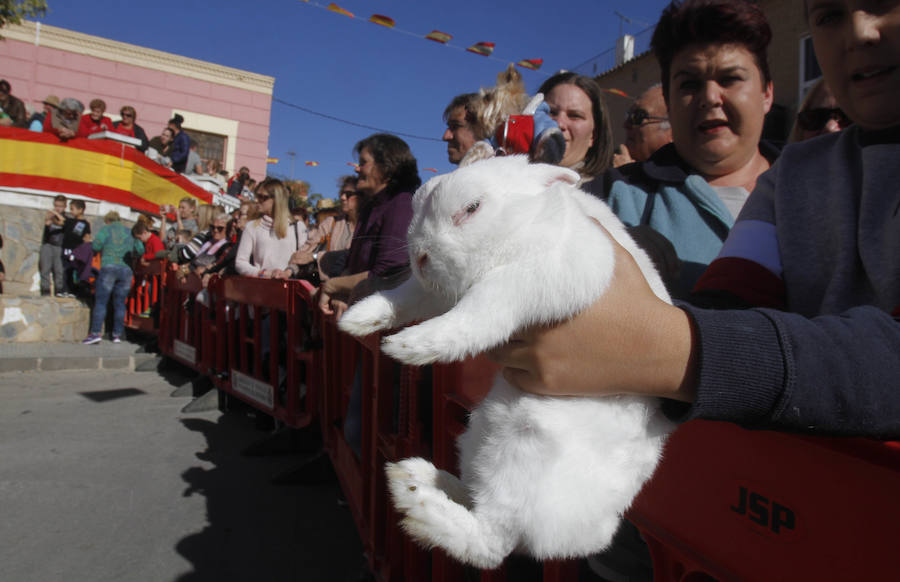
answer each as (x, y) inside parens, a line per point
(816, 119)
(124, 114)
(218, 228)
(260, 197)
(638, 116)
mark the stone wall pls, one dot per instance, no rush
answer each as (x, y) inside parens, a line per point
(22, 229)
(25, 316)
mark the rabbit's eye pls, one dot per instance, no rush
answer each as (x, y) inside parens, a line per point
(471, 208)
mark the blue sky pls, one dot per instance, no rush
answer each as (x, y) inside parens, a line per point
(359, 71)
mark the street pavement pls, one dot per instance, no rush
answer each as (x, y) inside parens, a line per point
(103, 477)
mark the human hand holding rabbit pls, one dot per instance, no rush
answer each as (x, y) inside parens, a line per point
(627, 342)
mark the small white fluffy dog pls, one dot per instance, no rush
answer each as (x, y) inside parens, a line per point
(544, 475)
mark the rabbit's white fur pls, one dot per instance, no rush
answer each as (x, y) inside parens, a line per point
(495, 247)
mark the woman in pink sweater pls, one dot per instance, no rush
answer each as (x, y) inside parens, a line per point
(268, 242)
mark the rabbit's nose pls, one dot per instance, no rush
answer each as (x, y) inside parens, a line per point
(420, 262)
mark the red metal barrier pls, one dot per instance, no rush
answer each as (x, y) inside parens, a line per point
(265, 324)
(182, 321)
(725, 504)
(142, 305)
(734, 504)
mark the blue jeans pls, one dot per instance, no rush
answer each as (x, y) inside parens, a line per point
(113, 280)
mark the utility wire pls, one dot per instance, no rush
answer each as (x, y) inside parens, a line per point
(353, 123)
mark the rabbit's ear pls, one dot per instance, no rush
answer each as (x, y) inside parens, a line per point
(549, 175)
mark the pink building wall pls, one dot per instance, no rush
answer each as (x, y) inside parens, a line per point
(37, 71)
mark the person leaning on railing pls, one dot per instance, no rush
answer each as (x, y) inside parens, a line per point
(327, 244)
(387, 177)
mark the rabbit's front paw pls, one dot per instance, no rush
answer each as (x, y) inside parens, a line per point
(368, 316)
(420, 345)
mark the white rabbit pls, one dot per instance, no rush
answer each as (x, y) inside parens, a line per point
(497, 246)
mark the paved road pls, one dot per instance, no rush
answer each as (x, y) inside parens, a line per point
(103, 478)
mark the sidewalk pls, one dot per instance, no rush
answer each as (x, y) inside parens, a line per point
(57, 356)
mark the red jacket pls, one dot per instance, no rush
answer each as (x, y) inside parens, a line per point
(87, 126)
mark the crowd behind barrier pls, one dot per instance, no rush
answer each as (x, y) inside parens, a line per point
(726, 503)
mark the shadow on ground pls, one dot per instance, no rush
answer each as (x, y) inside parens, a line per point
(257, 530)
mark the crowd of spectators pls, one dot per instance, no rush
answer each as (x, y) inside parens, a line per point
(785, 275)
(682, 182)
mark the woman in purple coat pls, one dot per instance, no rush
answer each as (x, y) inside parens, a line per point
(388, 176)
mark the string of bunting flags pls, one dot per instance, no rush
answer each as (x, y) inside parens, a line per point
(485, 49)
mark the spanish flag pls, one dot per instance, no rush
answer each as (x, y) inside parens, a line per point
(313, 164)
(533, 64)
(438, 36)
(335, 8)
(482, 48)
(382, 20)
(271, 160)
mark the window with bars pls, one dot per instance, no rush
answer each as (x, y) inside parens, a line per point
(210, 146)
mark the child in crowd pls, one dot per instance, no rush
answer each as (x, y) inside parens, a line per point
(185, 218)
(182, 238)
(50, 260)
(76, 232)
(152, 243)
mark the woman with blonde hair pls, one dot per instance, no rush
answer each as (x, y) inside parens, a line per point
(270, 239)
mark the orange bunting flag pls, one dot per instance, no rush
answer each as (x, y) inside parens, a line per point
(313, 164)
(335, 8)
(533, 64)
(430, 170)
(382, 20)
(482, 48)
(271, 160)
(618, 92)
(438, 36)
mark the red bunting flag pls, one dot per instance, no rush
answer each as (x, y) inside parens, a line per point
(618, 92)
(353, 165)
(382, 20)
(482, 48)
(430, 170)
(313, 164)
(533, 64)
(438, 36)
(335, 8)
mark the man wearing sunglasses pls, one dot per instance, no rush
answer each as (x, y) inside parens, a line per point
(647, 126)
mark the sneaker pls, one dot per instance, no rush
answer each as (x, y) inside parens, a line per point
(116, 339)
(93, 338)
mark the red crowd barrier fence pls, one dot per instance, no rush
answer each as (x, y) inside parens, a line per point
(725, 504)
(142, 304)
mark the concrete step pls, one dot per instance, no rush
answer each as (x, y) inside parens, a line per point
(56, 356)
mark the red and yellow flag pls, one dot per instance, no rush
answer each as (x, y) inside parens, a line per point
(430, 170)
(335, 8)
(438, 36)
(482, 48)
(618, 92)
(533, 64)
(313, 164)
(382, 20)
(271, 160)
